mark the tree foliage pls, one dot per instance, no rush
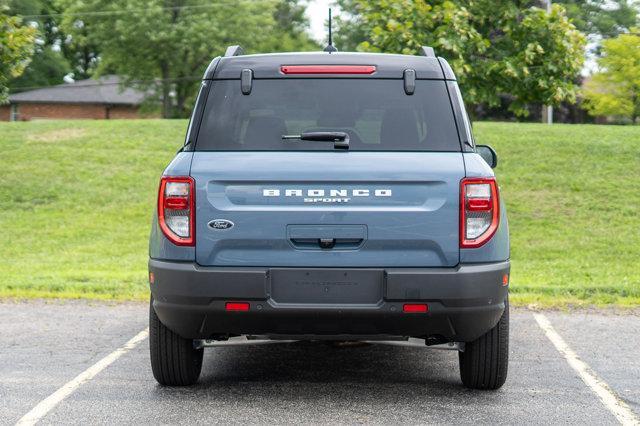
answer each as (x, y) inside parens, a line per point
(165, 45)
(56, 53)
(496, 48)
(16, 47)
(606, 18)
(615, 90)
(47, 68)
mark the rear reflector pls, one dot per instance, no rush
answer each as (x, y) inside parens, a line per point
(415, 308)
(237, 306)
(328, 69)
(176, 203)
(479, 204)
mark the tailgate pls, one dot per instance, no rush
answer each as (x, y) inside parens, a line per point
(327, 209)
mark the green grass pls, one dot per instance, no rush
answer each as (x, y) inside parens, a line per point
(573, 198)
(76, 199)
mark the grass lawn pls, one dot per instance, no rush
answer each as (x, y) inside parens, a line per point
(76, 199)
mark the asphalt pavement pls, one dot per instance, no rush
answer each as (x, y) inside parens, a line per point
(46, 345)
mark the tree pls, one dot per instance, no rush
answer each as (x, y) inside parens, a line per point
(496, 48)
(47, 67)
(288, 32)
(56, 54)
(165, 45)
(605, 18)
(349, 29)
(16, 47)
(81, 50)
(615, 89)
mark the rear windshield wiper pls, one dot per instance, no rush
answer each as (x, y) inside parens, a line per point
(340, 139)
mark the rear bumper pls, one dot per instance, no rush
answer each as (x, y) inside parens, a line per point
(463, 302)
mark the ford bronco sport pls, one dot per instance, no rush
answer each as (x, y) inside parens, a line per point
(330, 196)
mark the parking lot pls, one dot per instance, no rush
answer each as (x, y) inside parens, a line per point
(591, 375)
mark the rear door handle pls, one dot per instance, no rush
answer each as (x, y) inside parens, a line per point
(327, 237)
(327, 243)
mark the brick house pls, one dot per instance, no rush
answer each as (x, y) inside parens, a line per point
(90, 99)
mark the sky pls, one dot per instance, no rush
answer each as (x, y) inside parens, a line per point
(318, 13)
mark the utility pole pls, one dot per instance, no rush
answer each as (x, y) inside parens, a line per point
(547, 110)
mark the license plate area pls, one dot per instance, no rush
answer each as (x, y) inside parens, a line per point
(326, 286)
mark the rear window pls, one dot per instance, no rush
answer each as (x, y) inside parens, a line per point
(377, 115)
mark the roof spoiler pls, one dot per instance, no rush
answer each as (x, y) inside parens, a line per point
(235, 50)
(426, 51)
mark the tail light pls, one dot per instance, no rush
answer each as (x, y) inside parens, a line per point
(176, 212)
(479, 211)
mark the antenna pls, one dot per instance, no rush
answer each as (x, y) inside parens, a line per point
(330, 47)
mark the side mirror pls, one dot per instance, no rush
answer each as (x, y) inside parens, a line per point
(488, 154)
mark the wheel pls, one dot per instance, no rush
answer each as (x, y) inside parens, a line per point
(483, 364)
(174, 360)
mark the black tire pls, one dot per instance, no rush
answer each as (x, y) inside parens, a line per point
(484, 362)
(174, 361)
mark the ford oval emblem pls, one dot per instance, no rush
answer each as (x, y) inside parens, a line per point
(220, 224)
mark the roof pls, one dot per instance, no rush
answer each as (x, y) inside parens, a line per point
(106, 90)
(387, 65)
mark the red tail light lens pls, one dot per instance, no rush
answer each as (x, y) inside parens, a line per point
(328, 69)
(479, 211)
(176, 212)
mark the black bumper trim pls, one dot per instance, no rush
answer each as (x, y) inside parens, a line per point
(464, 302)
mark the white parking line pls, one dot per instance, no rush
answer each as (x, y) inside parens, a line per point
(46, 405)
(608, 397)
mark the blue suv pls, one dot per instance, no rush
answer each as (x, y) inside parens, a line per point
(330, 196)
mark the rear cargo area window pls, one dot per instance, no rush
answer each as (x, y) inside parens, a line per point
(376, 114)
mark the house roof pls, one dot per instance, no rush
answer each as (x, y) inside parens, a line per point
(106, 90)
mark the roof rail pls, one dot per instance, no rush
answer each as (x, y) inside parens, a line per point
(426, 51)
(234, 50)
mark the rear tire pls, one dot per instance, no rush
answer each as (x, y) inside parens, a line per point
(484, 362)
(174, 360)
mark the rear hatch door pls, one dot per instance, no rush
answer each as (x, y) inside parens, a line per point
(390, 200)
